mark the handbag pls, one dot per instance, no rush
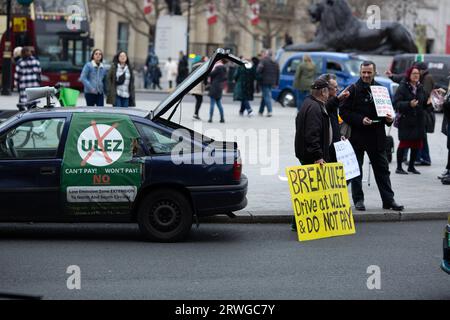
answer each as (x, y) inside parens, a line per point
(430, 121)
(121, 79)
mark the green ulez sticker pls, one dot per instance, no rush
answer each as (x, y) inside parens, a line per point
(98, 176)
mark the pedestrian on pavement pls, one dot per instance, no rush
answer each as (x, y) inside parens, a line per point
(218, 77)
(304, 76)
(410, 102)
(332, 107)
(426, 79)
(120, 82)
(255, 61)
(244, 88)
(269, 73)
(27, 75)
(93, 78)
(157, 74)
(445, 176)
(183, 68)
(171, 69)
(198, 90)
(313, 131)
(151, 64)
(368, 135)
(313, 134)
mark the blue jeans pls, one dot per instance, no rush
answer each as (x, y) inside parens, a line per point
(245, 105)
(122, 102)
(266, 98)
(219, 105)
(424, 153)
(94, 99)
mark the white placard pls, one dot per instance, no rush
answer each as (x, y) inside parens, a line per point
(346, 155)
(382, 100)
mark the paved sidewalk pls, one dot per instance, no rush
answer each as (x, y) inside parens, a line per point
(266, 157)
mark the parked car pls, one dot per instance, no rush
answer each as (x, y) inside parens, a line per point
(438, 66)
(5, 114)
(118, 164)
(446, 248)
(345, 66)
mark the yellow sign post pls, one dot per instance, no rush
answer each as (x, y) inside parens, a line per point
(320, 201)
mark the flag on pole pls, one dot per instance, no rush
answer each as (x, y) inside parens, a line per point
(254, 12)
(211, 13)
(148, 6)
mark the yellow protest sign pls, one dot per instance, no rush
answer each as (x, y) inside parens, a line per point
(320, 201)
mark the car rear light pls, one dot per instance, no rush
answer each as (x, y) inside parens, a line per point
(237, 169)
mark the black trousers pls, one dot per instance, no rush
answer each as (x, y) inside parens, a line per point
(448, 160)
(198, 103)
(381, 171)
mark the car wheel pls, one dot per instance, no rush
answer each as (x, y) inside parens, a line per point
(165, 216)
(287, 99)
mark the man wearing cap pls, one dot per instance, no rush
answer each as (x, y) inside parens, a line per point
(368, 135)
(314, 134)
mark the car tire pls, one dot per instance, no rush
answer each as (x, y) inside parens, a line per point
(287, 99)
(165, 216)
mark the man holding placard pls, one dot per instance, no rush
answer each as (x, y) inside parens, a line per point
(367, 119)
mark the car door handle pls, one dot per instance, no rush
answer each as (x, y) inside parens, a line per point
(47, 171)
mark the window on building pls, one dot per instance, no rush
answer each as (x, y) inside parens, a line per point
(123, 36)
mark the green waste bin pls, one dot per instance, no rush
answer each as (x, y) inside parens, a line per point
(68, 97)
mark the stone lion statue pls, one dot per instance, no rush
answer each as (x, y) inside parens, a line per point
(340, 31)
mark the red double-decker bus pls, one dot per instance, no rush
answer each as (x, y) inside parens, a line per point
(58, 30)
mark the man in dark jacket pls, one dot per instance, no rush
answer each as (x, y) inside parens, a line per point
(313, 135)
(313, 131)
(368, 135)
(268, 72)
(183, 68)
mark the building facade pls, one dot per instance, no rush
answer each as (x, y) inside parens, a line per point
(233, 29)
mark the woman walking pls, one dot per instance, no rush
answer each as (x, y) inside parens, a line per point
(410, 102)
(121, 82)
(198, 90)
(244, 88)
(93, 78)
(218, 77)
